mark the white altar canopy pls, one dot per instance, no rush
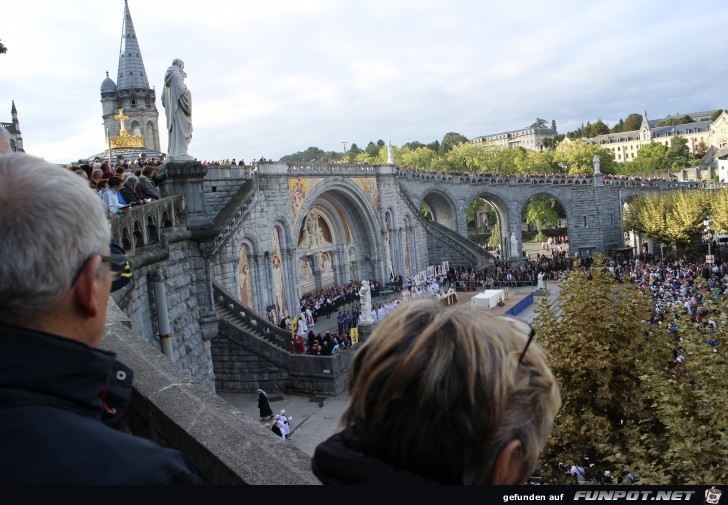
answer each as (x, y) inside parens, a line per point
(487, 299)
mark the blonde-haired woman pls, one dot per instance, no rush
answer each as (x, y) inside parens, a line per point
(443, 395)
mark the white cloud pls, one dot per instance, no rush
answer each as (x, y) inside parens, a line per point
(270, 78)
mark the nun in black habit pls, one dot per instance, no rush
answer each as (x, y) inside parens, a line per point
(264, 405)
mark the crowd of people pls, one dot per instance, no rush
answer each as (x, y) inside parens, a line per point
(120, 187)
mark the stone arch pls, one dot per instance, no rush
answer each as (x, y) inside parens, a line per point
(166, 221)
(557, 205)
(152, 230)
(151, 136)
(442, 208)
(503, 220)
(136, 128)
(247, 273)
(354, 210)
(126, 242)
(562, 195)
(138, 235)
(280, 261)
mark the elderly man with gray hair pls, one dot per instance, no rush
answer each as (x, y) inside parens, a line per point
(60, 393)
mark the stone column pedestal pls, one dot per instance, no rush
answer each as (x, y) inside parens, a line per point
(187, 178)
(365, 329)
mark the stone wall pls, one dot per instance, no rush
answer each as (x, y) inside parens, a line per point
(174, 409)
(244, 363)
(172, 254)
(221, 184)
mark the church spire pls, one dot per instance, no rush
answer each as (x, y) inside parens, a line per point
(132, 74)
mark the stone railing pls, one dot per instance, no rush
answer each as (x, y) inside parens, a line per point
(234, 213)
(494, 179)
(259, 325)
(347, 170)
(172, 408)
(141, 225)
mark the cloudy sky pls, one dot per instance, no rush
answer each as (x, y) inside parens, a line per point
(272, 77)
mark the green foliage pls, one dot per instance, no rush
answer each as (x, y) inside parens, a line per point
(676, 121)
(716, 114)
(541, 211)
(592, 130)
(619, 127)
(633, 122)
(495, 237)
(312, 154)
(595, 342)
(425, 211)
(577, 158)
(372, 149)
(678, 155)
(450, 140)
(675, 218)
(3, 49)
(539, 123)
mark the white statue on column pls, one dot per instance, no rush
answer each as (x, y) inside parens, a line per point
(365, 299)
(514, 245)
(390, 153)
(541, 284)
(596, 162)
(177, 102)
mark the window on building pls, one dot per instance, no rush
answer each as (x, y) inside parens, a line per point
(133, 102)
(586, 224)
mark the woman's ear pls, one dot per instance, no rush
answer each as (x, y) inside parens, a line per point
(508, 467)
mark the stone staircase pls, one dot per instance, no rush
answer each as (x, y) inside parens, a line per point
(241, 317)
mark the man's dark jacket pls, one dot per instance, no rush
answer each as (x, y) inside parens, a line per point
(58, 398)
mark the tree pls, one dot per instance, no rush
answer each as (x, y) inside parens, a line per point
(619, 127)
(539, 123)
(421, 157)
(598, 128)
(632, 123)
(380, 142)
(434, 146)
(3, 49)
(450, 140)
(372, 149)
(541, 211)
(413, 145)
(716, 114)
(595, 341)
(577, 157)
(678, 155)
(676, 121)
(553, 124)
(650, 158)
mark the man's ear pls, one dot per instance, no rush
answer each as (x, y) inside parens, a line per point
(508, 468)
(86, 292)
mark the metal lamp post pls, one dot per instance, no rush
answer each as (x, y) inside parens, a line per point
(708, 222)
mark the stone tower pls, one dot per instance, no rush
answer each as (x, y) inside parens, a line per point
(13, 128)
(131, 93)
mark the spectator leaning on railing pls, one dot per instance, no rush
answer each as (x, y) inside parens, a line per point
(59, 392)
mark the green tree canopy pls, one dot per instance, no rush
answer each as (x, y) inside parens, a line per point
(577, 157)
(676, 121)
(3, 49)
(450, 140)
(678, 155)
(632, 123)
(595, 341)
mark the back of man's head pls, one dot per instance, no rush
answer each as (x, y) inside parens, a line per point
(43, 246)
